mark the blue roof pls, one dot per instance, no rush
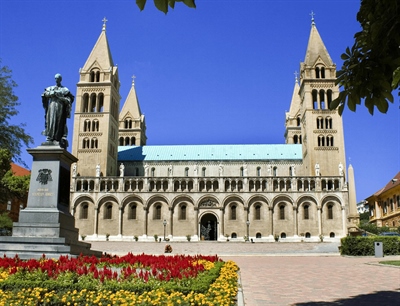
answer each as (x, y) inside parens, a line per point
(210, 152)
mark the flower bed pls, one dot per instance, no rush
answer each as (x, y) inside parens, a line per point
(127, 280)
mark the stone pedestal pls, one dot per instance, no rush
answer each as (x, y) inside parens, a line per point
(45, 226)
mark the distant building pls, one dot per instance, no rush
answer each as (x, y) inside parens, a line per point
(384, 205)
(13, 205)
(123, 188)
(362, 207)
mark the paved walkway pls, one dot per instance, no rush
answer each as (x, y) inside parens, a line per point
(291, 273)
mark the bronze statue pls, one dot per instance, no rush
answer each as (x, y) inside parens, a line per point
(57, 101)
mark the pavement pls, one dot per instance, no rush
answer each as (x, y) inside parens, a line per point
(280, 273)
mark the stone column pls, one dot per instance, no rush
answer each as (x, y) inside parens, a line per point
(344, 227)
(145, 221)
(319, 212)
(271, 220)
(171, 221)
(120, 221)
(96, 217)
(221, 222)
(295, 215)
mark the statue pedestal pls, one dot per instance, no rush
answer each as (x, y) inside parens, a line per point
(46, 226)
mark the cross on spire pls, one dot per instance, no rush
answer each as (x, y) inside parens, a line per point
(296, 75)
(133, 79)
(312, 14)
(104, 23)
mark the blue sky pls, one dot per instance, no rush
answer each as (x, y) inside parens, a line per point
(222, 73)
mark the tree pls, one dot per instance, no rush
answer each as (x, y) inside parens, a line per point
(11, 186)
(371, 68)
(162, 5)
(11, 136)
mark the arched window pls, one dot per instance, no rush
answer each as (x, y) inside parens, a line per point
(84, 211)
(317, 72)
(282, 212)
(233, 212)
(258, 235)
(85, 103)
(322, 98)
(92, 106)
(241, 171)
(108, 211)
(275, 171)
(157, 212)
(121, 141)
(298, 121)
(332, 235)
(283, 235)
(322, 72)
(182, 212)
(85, 143)
(153, 171)
(321, 141)
(328, 122)
(97, 76)
(329, 98)
(257, 212)
(329, 141)
(306, 212)
(95, 125)
(300, 141)
(233, 235)
(308, 235)
(133, 141)
(258, 171)
(295, 139)
(101, 103)
(92, 76)
(186, 171)
(94, 143)
(315, 98)
(127, 141)
(203, 171)
(290, 171)
(320, 123)
(330, 211)
(132, 211)
(128, 123)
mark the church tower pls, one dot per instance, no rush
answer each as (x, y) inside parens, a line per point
(95, 138)
(132, 126)
(320, 129)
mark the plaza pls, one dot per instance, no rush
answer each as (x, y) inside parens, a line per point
(290, 273)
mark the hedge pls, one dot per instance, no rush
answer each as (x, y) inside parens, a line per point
(365, 246)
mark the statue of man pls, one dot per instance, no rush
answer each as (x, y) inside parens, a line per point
(57, 101)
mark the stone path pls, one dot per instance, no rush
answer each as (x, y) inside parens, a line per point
(291, 273)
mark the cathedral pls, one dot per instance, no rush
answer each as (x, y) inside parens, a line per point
(125, 190)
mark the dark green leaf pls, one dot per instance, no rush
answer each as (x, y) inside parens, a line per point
(141, 4)
(162, 5)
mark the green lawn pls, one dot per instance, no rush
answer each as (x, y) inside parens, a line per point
(391, 262)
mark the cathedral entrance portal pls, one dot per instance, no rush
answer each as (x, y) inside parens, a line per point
(208, 227)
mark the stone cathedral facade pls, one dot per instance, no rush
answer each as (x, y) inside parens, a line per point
(122, 188)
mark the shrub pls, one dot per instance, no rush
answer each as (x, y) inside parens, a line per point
(364, 246)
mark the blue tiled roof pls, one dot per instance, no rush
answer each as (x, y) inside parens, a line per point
(210, 152)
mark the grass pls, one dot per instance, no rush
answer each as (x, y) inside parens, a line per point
(391, 262)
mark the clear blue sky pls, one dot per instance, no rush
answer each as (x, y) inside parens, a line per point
(221, 73)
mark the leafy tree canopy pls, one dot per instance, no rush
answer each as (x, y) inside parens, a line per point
(11, 136)
(371, 68)
(162, 5)
(11, 186)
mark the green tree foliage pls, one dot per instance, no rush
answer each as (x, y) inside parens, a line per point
(371, 68)
(162, 5)
(11, 186)
(12, 136)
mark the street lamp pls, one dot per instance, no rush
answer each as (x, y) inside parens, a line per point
(248, 225)
(165, 224)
